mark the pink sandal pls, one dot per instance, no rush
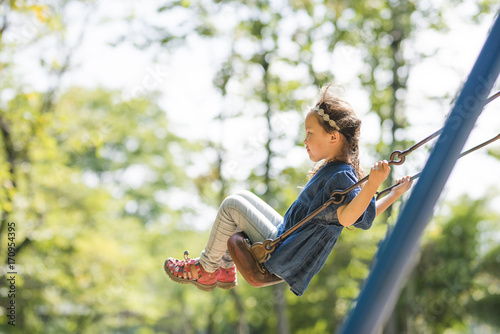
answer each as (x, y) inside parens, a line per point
(227, 278)
(190, 271)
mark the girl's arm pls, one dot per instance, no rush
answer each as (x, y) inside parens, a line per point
(349, 213)
(396, 192)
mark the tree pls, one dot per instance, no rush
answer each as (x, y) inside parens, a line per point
(24, 25)
(94, 181)
(92, 210)
(272, 66)
(455, 275)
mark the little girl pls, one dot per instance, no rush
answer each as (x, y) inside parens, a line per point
(332, 134)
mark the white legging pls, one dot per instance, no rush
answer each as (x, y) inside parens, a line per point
(245, 212)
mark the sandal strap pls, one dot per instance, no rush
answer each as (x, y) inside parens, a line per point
(193, 266)
(181, 267)
(198, 269)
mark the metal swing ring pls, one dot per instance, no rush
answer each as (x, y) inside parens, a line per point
(397, 154)
(268, 246)
(338, 197)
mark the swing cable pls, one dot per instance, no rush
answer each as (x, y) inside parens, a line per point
(414, 147)
(416, 176)
(401, 155)
(262, 250)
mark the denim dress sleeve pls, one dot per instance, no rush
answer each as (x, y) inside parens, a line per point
(341, 181)
(304, 253)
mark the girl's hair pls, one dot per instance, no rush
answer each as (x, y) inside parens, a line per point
(347, 123)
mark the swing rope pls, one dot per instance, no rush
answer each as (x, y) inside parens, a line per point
(434, 135)
(262, 250)
(402, 154)
(416, 176)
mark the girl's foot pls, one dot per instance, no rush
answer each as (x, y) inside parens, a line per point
(227, 278)
(190, 271)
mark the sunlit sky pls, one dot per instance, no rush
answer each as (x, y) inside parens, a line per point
(184, 82)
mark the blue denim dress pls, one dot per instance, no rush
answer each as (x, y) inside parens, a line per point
(304, 253)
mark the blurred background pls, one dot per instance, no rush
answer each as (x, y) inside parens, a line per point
(125, 123)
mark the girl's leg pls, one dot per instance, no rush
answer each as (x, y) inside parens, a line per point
(240, 211)
(243, 211)
(271, 214)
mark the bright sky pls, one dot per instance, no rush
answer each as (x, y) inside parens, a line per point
(184, 80)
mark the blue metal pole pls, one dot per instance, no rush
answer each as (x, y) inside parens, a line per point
(379, 295)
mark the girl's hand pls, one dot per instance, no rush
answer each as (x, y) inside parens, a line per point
(379, 172)
(403, 184)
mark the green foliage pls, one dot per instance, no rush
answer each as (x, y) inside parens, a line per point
(93, 182)
(454, 276)
(89, 259)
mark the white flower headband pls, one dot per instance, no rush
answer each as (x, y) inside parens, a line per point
(326, 118)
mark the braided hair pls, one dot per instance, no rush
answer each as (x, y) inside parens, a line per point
(345, 122)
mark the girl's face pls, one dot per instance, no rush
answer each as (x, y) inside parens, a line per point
(319, 143)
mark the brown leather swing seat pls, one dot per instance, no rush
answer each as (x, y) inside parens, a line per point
(255, 273)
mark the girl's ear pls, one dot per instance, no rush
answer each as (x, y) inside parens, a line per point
(334, 137)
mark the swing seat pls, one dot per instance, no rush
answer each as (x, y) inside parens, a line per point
(255, 273)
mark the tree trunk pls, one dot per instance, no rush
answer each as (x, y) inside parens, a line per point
(242, 322)
(279, 297)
